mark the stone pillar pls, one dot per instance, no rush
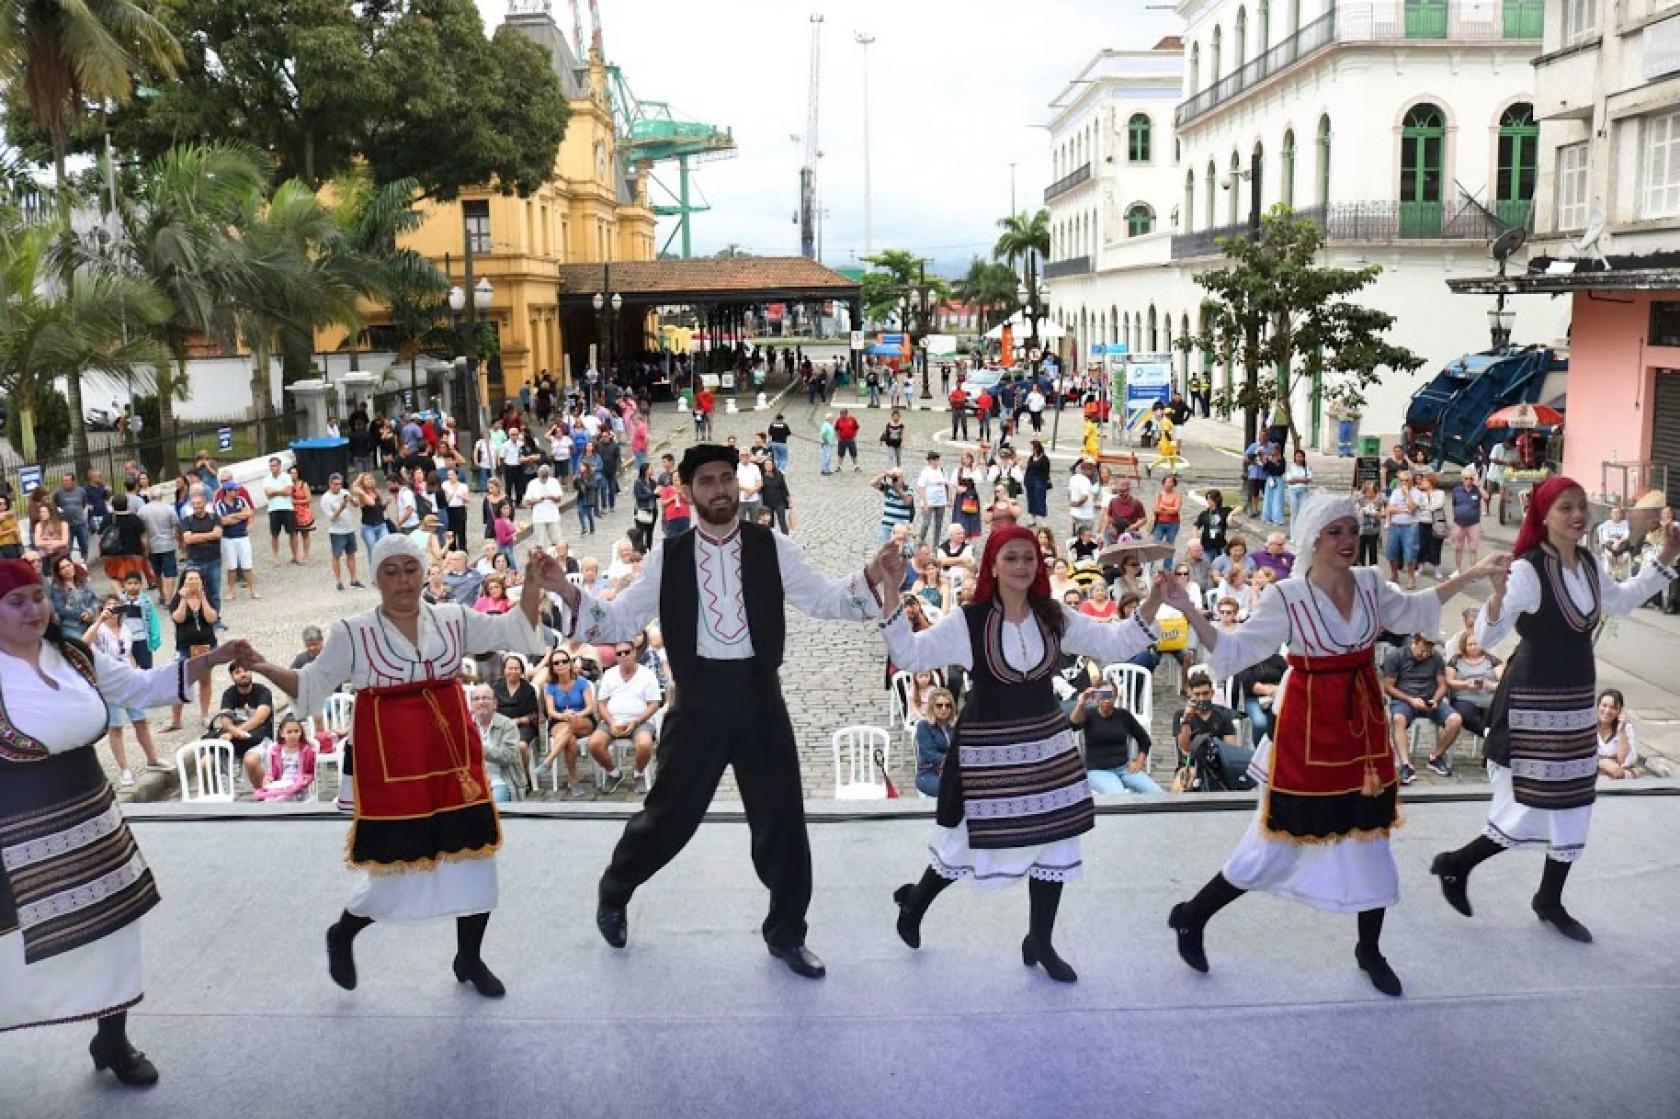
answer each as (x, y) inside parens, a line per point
(311, 397)
(445, 374)
(353, 390)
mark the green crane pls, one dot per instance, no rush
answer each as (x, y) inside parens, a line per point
(649, 133)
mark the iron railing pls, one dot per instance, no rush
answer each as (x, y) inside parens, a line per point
(1072, 266)
(1067, 182)
(1388, 21)
(1369, 221)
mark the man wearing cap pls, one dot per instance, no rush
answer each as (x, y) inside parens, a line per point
(426, 832)
(933, 491)
(720, 592)
(1415, 681)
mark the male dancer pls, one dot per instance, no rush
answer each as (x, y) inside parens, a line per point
(720, 591)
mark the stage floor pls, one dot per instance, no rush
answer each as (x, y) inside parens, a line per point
(1502, 1017)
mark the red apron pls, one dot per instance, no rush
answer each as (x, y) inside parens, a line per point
(1332, 771)
(422, 794)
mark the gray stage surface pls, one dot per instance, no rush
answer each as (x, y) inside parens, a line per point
(1502, 1016)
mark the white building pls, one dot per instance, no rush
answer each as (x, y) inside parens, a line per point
(1406, 128)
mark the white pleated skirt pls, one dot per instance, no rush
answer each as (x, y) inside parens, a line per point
(1561, 831)
(1348, 875)
(952, 857)
(451, 889)
(87, 982)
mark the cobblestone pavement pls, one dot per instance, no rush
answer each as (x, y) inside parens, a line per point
(833, 674)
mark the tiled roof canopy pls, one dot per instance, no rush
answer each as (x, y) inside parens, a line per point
(736, 279)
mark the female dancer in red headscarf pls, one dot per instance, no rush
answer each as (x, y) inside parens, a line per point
(1542, 732)
(1013, 799)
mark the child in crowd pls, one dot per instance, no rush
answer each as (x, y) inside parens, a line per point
(290, 773)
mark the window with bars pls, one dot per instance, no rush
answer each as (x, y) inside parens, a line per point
(1572, 186)
(1662, 166)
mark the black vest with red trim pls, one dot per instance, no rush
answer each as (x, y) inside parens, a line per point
(761, 588)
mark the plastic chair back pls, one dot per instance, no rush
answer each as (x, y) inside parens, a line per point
(1134, 689)
(206, 769)
(855, 774)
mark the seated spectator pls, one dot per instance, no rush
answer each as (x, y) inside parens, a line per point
(1061, 580)
(586, 662)
(1209, 759)
(288, 772)
(1116, 744)
(1100, 606)
(1236, 555)
(1257, 585)
(1185, 572)
(1415, 681)
(623, 563)
(1201, 568)
(955, 550)
(589, 569)
(1227, 613)
(625, 704)
(1616, 542)
(486, 562)
(1235, 585)
(1455, 643)
(1150, 658)
(1083, 548)
(1258, 686)
(1472, 677)
(1275, 557)
(503, 567)
(312, 639)
(920, 692)
(505, 757)
(1618, 749)
(246, 721)
(569, 699)
(463, 582)
(1131, 579)
(494, 598)
(933, 740)
(516, 699)
(930, 588)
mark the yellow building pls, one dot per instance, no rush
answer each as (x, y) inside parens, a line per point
(591, 210)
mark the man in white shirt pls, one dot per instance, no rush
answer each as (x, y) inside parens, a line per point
(933, 491)
(277, 492)
(1082, 496)
(1404, 501)
(1035, 408)
(751, 480)
(626, 700)
(542, 498)
(342, 515)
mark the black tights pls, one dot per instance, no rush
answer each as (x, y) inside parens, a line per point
(1043, 900)
(1219, 892)
(469, 933)
(113, 1030)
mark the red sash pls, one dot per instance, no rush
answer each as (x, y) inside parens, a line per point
(422, 794)
(1332, 769)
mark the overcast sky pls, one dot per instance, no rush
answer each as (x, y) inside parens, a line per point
(958, 90)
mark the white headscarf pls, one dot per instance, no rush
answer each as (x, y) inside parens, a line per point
(396, 544)
(1317, 511)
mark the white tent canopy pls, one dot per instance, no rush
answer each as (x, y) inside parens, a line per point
(1048, 330)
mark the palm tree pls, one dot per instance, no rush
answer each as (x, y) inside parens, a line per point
(371, 221)
(1026, 236)
(50, 329)
(176, 231)
(62, 56)
(986, 286)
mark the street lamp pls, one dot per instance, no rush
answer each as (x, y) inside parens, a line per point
(482, 295)
(1500, 322)
(609, 325)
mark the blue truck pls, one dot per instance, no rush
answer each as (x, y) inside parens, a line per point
(1449, 415)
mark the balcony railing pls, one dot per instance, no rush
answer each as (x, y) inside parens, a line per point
(1388, 21)
(1375, 221)
(1067, 182)
(1072, 266)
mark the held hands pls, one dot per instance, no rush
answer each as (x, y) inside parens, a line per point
(887, 568)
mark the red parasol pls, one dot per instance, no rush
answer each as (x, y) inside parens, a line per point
(1526, 416)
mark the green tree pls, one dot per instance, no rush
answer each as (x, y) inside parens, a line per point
(51, 329)
(988, 286)
(62, 58)
(1025, 237)
(409, 88)
(371, 220)
(891, 288)
(1306, 328)
(176, 231)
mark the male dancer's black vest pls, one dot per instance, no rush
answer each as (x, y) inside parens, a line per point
(761, 587)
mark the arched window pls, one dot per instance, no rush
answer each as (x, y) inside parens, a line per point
(1234, 187)
(1519, 149)
(1188, 225)
(1213, 59)
(1288, 184)
(1154, 332)
(1324, 161)
(1423, 142)
(1140, 219)
(1137, 138)
(1167, 335)
(1239, 41)
(1114, 323)
(1263, 28)
(1195, 68)
(1212, 195)
(1257, 188)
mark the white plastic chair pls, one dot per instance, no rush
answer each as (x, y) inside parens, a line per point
(1135, 689)
(622, 751)
(206, 769)
(855, 774)
(340, 714)
(1226, 694)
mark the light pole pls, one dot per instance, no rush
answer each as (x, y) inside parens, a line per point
(475, 310)
(607, 304)
(863, 40)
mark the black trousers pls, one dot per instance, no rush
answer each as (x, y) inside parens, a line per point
(695, 744)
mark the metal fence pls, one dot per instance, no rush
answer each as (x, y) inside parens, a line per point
(1369, 221)
(109, 453)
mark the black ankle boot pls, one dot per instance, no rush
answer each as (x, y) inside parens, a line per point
(1189, 929)
(477, 973)
(1548, 903)
(469, 960)
(341, 953)
(913, 901)
(1372, 963)
(1044, 898)
(111, 1049)
(1453, 869)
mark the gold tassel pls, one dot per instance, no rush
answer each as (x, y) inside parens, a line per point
(1373, 785)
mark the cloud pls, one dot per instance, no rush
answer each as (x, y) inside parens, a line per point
(957, 90)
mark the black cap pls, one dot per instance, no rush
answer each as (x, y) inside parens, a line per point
(702, 453)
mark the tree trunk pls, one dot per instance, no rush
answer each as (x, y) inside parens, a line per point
(26, 432)
(166, 417)
(72, 377)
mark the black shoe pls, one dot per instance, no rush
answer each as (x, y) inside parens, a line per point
(481, 977)
(126, 1063)
(800, 960)
(1407, 775)
(1034, 954)
(614, 924)
(611, 782)
(1189, 937)
(1441, 766)
(1558, 917)
(1382, 976)
(909, 917)
(341, 958)
(1455, 886)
